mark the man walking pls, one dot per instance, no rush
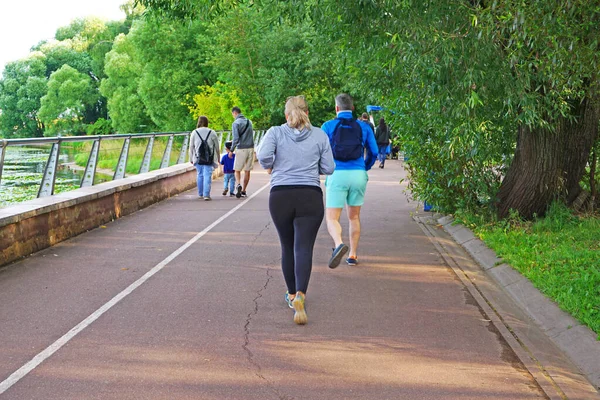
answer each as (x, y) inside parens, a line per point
(243, 142)
(347, 185)
(365, 117)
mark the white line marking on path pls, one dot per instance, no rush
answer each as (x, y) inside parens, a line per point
(54, 347)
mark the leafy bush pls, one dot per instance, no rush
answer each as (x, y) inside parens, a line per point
(100, 127)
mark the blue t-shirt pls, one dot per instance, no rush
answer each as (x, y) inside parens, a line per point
(227, 163)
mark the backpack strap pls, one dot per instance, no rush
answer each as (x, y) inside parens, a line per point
(337, 125)
(200, 136)
(245, 127)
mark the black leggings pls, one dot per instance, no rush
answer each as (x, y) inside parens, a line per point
(297, 213)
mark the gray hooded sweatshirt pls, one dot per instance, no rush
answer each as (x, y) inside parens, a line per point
(242, 139)
(296, 157)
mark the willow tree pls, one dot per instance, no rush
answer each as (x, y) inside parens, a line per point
(498, 99)
(483, 77)
(552, 51)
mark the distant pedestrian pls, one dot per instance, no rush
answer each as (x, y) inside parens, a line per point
(295, 154)
(204, 155)
(382, 136)
(243, 142)
(365, 118)
(228, 172)
(347, 185)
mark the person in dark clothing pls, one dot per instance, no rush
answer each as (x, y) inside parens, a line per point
(382, 136)
(295, 154)
(365, 118)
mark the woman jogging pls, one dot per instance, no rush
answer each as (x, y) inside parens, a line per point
(295, 154)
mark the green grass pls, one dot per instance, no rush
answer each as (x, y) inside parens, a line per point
(109, 155)
(559, 254)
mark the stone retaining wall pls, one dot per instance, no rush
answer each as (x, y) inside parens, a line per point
(36, 224)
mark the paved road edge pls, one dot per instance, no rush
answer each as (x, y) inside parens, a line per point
(577, 341)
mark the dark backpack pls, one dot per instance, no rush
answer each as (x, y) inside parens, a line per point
(205, 155)
(347, 140)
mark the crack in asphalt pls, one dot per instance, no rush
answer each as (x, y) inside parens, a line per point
(247, 332)
(246, 344)
(259, 234)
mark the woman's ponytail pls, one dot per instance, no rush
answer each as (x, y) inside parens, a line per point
(296, 112)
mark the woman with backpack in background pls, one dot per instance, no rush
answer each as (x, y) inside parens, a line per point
(295, 154)
(382, 135)
(204, 155)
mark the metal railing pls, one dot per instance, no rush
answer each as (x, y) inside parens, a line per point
(46, 187)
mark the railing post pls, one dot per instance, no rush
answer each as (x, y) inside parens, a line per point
(167, 155)
(184, 148)
(145, 167)
(221, 142)
(122, 165)
(90, 168)
(2, 153)
(260, 136)
(47, 185)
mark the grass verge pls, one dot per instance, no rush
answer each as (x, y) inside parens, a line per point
(559, 254)
(110, 152)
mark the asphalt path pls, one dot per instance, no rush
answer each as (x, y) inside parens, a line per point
(184, 300)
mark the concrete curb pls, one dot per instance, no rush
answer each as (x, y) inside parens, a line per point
(577, 341)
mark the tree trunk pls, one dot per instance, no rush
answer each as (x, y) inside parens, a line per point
(548, 165)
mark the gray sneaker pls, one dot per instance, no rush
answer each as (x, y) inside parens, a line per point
(207, 198)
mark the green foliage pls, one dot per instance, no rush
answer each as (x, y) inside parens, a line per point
(100, 127)
(173, 59)
(21, 88)
(265, 58)
(64, 106)
(215, 102)
(559, 254)
(92, 37)
(462, 77)
(82, 45)
(123, 69)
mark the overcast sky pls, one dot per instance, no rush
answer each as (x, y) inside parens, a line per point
(24, 23)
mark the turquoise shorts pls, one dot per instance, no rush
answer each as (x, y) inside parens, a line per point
(346, 187)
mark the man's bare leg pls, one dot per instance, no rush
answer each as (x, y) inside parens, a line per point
(332, 215)
(246, 180)
(354, 219)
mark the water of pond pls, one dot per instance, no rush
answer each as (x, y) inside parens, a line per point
(24, 167)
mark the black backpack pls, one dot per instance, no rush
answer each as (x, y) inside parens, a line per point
(347, 140)
(205, 155)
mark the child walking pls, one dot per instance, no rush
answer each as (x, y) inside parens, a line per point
(228, 172)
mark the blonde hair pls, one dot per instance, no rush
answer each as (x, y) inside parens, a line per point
(296, 112)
